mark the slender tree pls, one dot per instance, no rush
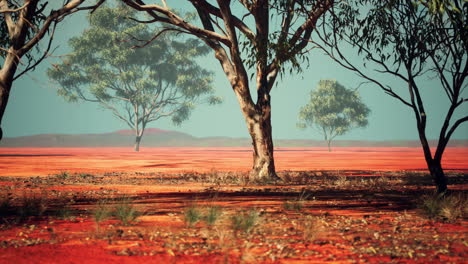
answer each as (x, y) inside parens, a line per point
(262, 36)
(333, 110)
(410, 41)
(23, 25)
(138, 84)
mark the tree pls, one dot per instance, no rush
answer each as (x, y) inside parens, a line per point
(24, 25)
(333, 110)
(273, 37)
(138, 84)
(410, 41)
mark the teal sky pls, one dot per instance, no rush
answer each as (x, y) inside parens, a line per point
(35, 108)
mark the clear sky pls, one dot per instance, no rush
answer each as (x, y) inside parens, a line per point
(35, 107)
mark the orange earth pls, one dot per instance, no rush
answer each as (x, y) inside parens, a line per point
(351, 205)
(45, 161)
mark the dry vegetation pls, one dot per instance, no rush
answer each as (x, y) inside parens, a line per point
(221, 216)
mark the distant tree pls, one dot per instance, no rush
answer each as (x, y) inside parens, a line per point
(410, 41)
(23, 24)
(138, 84)
(333, 110)
(254, 42)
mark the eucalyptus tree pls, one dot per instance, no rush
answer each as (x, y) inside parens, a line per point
(263, 38)
(22, 27)
(410, 41)
(333, 110)
(109, 65)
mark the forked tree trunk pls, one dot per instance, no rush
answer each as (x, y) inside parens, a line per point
(438, 176)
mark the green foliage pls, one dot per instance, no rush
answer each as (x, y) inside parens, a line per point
(192, 215)
(65, 212)
(126, 212)
(244, 221)
(64, 175)
(212, 215)
(102, 211)
(333, 110)
(109, 65)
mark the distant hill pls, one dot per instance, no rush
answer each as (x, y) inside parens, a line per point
(154, 137)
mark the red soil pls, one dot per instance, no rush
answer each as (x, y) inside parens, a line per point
(45, 161)
(369, 221)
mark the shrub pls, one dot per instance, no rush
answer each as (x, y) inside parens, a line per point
(64, 175)
(32, 205)
(445, 207)
(65, 213)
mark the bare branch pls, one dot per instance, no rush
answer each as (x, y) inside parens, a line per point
(7, 10)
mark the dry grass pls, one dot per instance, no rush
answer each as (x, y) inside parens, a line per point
(445, 207)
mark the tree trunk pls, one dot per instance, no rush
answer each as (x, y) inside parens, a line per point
(137, 143)
(438, 176)
(263, 162)
(5, 88)
(328, 144)
(433, 164)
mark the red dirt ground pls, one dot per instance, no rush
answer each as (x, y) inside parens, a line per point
(45, 161)
(359, 222)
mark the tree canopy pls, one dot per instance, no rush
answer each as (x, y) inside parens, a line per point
(253, 41)
(138, 72)
(409, 41)
(333, 110)
(24, 24)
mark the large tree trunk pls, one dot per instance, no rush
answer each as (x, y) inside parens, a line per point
(258, 120)
(262, 141)
(4, 94)
(438, 176)
(6, 80)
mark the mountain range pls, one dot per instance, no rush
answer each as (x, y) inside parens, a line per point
(155, 137)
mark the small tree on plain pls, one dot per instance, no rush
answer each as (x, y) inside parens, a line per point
(333, 110)
(138, 84)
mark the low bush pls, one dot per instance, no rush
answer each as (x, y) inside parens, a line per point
(445, 207)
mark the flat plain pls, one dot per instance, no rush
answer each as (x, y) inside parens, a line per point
(196, 205)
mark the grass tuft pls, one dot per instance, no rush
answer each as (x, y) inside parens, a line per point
(102, 211)
(212, 215)
(445, 207)
(244, 221)
(310, 228)
(192, 215)
(126, 212)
